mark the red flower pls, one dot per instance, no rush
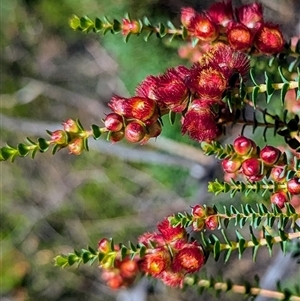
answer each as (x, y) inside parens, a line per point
(239, 36)
(228, 60)
(155, 261)
(190, 258)
(171, 91)
(200, 122)
(150, 239)
(250, 14)
(169, 232)
(141, 108)
(269, 39)
(207, 82)
(202, 28)
(147, 87)
(174, 279)
(221, 13)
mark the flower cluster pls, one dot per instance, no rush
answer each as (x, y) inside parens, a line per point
(195, 93)
(244, 29)
(169, 256)
(255, 164)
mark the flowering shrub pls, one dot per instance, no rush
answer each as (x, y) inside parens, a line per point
(211, 95)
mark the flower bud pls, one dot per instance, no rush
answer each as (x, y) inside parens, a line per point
(269, 39)
(239, 36)
(202, 28)
(250, 14)
(135, 132)
(231, 166)
(141, 108)
(251, 167)
(270, 155)
(71, 126)
(59, 137)
(279, 198)
(221, 13)
(76, 146)
(113, 122)
(128, 269)
(115, 282)
(293, 185)
(130, 26)
(278, 174)
(116, 136)
(212, 222)
(198, 211)
(244, 146)
(198, 224)
(187, 14)
(104, 245)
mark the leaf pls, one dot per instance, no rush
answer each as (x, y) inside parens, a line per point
(72, 258)
(172, 117)
(61, 261)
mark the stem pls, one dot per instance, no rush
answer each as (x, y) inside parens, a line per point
(276, 86)
(240, 289)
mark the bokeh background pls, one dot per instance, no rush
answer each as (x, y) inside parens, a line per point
(53, 204)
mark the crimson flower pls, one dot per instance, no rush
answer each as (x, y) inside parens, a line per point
(200, 122)
(269, 39)
(239, 36)
(250, 14)
(221, 13)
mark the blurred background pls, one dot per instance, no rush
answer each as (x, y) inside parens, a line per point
(53, 204)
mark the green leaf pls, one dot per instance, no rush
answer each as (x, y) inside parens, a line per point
(184, 33)
(116, 26)
(74, 22)
(143, 250)
(96, 131)
(98, 25)
(255, 95)
(23, 149)
(7, 152)
(172, 117)
(87, 256)
(43, 144)
(61, 261)
(123, 252)
(269, 88)
(72, 258)
(252, 77)
(283, 92)
(162, 31)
